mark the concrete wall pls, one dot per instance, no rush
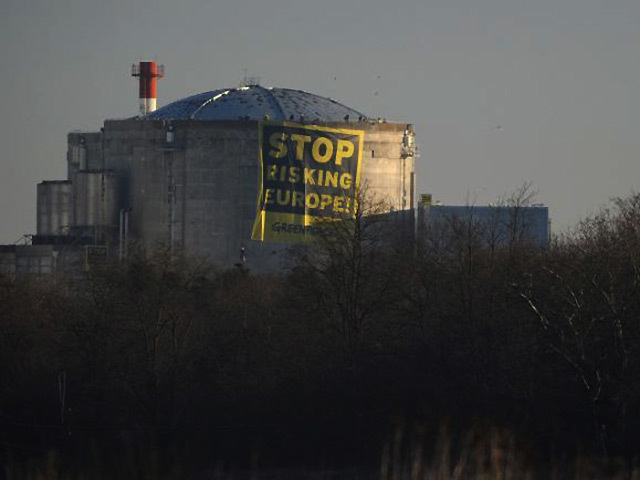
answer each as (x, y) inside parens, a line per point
(27, 259)
(200, 191)
(63, 260)
(7, 261)
(388, 170)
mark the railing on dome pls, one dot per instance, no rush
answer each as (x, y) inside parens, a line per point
(251, 81)
(135, 70)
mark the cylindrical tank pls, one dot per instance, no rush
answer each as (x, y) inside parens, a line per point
(54, 207)
(94, 199)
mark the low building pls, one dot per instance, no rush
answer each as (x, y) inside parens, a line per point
(494, 225)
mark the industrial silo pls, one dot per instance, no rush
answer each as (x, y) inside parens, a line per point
(54, 207)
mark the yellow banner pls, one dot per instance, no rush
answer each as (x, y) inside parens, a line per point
(309, 173)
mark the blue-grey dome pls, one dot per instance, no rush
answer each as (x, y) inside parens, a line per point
(255, 103)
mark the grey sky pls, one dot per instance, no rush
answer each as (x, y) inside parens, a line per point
(560, 77)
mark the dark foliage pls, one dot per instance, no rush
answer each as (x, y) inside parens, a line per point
(163, 358)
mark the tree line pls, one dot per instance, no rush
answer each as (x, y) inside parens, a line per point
(321, 365)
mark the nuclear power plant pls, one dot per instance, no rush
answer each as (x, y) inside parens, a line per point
(227, 175)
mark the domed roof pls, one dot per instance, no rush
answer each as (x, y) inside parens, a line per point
(255, 103)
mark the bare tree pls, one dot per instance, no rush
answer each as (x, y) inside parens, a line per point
(142, 318)
(344, 273)
(517, 225)
(585, 298)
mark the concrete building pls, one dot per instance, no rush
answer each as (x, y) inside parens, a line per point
(187, 176)
(497, 225)
(46, 256)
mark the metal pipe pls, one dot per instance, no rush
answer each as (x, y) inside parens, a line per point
(126, 231)
(121, 236)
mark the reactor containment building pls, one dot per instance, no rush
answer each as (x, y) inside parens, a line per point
(232, 174)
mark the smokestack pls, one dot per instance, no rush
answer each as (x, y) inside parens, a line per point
(148, 73)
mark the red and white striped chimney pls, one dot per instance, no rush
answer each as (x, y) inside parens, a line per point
(148, 73)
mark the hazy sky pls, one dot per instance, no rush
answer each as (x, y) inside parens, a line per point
(500, 91)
